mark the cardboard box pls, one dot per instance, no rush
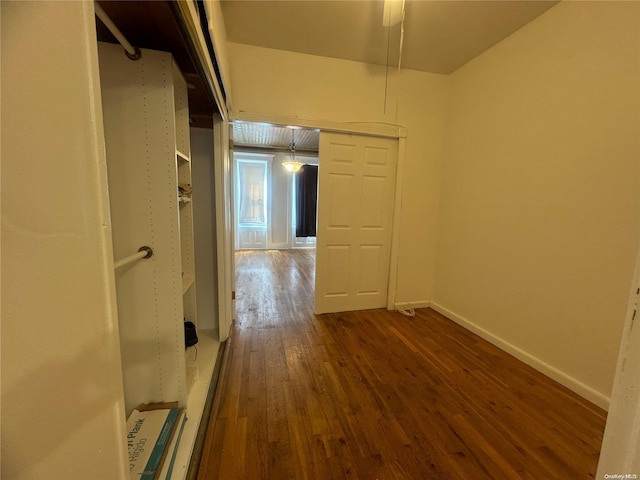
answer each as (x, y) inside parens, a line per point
(150, 431)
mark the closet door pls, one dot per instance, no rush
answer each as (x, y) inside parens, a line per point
(357, 178)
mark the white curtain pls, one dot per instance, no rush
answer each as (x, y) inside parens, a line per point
(252, 193)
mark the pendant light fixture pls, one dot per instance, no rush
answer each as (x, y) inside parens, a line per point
(292, 165)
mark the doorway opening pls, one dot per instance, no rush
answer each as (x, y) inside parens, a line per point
(275, 212)
(275, 209)
(353, 219)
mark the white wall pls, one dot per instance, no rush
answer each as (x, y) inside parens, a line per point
(204, 227)
(539, 209)
(280, 204)
(274, 82)
(61, 393)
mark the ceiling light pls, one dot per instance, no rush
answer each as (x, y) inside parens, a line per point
(292, 165)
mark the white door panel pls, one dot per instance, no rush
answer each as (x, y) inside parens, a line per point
(357, 176)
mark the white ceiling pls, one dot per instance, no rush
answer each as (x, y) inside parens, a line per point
(439, 37)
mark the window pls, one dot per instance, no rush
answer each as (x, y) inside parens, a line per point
(252, 192)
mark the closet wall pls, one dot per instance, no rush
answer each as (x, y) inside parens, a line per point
(204, 228)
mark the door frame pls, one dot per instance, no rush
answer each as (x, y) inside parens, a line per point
(619, 452)
(224, 218)
(371, 129)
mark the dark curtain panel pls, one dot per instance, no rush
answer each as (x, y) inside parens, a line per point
(306, 200)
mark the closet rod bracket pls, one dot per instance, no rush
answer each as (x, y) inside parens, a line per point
(133, 56)
(149, 250)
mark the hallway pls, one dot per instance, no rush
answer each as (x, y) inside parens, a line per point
(376, 395)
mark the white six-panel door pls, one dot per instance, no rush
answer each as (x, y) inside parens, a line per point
(356, 191)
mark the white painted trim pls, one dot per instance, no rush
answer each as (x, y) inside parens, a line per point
(550, 371)
(224, 223)
(361, 128)
(394, 255)
(417, 304)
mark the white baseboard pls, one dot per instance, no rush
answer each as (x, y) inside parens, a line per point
(419, 304)
(559, 376)
(279, 246)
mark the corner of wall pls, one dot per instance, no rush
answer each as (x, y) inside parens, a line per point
(573, 384)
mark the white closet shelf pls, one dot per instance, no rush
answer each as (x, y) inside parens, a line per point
(182, 156)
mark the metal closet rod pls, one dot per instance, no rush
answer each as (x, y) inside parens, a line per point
(131, 51)
(143, 252)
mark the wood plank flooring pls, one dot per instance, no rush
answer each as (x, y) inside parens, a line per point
(377, 395)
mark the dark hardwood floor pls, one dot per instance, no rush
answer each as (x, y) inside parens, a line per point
(377, 395)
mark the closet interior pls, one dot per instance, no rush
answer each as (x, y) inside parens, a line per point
(154, 198)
